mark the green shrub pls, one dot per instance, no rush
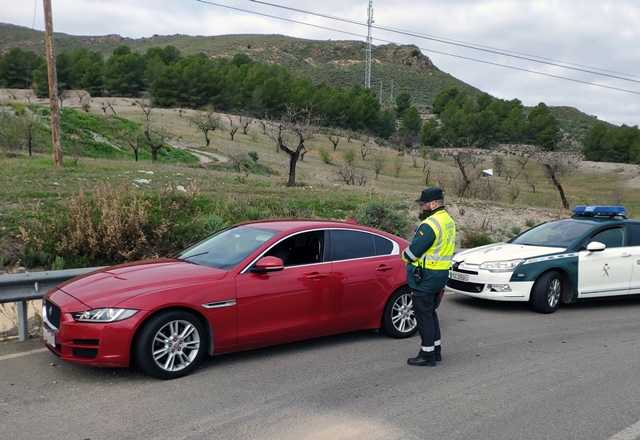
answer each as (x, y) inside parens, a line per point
(471, 239)
(253, 155)
(325, 156)
(529, 223)
(383, 216)
(515, 230)
(349, 156)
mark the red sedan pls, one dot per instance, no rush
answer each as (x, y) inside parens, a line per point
(250, 285)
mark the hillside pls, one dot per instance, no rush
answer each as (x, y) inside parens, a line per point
(395, 68)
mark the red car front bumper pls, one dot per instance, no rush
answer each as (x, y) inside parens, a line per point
(98, 344)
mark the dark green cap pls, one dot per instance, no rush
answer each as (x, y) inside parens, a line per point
(430, 194)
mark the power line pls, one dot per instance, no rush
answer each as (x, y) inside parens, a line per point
(487, 49)
(421, 48)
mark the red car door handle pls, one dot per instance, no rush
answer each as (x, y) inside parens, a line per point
(316, 276)
(383, 268)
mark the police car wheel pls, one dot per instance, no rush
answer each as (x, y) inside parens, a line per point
(546, 292)
(398, 319)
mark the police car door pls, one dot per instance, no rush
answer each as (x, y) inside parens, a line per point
(634, 230)
(606, 272)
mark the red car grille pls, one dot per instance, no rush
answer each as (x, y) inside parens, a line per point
(89, 353)
(51, 313)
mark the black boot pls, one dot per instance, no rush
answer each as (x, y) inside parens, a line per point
(424, 359)
(438, 353)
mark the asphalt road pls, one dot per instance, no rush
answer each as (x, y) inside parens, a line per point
(507, 373)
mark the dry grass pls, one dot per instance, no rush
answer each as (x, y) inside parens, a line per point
(502, 206)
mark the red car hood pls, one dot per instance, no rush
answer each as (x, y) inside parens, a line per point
(109, 286)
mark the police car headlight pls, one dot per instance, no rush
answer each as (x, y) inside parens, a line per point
(501, 266)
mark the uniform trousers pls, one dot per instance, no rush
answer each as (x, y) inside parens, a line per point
(424, 307)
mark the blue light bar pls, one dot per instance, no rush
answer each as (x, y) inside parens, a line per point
(600, 211)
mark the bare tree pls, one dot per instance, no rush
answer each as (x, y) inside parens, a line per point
(461, 151)
(531, 181)
(397, 165)
(237, 156)
(425, 153)
(206, 121)
(334, 139)
(427, 173)
(558, 165)
(30, 122)
(135, 140)
(106, 105)
(523, 160)
(365, 146)
(234, 128)
(147, 107)
(379, 162)
(488, 192)
(155, 137)
(81, 94)
(244, 123)
(514, 192)
(350, 174)
(295, 127)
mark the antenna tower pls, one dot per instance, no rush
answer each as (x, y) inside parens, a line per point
(367, 69)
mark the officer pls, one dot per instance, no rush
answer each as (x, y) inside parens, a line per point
(428, 259)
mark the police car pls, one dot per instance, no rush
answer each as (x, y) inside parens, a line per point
(593, 254)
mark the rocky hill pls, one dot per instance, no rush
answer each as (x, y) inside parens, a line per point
(395, 68)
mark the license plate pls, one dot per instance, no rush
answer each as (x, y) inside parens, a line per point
(459, 276)
(48, 336)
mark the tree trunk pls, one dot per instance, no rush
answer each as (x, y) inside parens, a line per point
(552, 175)
(565, 203)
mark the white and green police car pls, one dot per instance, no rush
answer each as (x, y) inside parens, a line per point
(593, 254)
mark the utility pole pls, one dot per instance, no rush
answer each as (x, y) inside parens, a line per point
(367, 68)
(53, 84)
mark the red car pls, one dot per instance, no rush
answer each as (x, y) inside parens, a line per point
(250, 285)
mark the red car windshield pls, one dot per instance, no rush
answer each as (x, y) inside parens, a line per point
(227, 247)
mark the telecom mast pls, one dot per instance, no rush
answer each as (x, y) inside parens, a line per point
(367, 68)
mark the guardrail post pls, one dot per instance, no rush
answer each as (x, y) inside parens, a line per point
(23, 321)
(24, 287)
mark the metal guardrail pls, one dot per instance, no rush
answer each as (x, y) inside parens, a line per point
(23, 287)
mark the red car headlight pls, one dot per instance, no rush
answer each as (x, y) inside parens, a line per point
(104, 315)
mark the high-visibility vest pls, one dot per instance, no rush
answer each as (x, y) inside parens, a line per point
(438, 256)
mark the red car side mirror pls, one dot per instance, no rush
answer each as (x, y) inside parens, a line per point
(268, 264)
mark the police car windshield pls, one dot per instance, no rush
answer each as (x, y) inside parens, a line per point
(559, 233)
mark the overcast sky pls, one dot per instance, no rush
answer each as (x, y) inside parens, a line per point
(598, 39)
